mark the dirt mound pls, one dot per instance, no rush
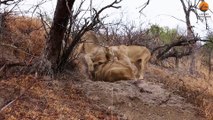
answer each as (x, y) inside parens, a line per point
(136, 100)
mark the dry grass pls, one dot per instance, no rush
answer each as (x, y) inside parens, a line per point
(198, 88)
(25, 33)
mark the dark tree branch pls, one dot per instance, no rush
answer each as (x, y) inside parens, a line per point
(144, 6)
(6, 2)
(176, 54)
(182, 41)
(184, 6)
(174, 18)
(44, 23)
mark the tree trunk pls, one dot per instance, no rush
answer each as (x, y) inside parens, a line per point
(57, 30)
(190, 35)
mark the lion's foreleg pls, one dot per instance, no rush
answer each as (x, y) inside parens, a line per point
(141, 71)
(143, 63)
(89, 62)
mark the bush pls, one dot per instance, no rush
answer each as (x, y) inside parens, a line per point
(26, 33)
(165, 34)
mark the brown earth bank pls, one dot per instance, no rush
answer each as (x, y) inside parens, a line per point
(71, 97)
(29, 98)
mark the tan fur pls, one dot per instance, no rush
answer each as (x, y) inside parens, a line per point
(77, 50)
(138, 55)
(115, 53)
(82, 66)
(113, 71)
(90, 42)
(94, 52)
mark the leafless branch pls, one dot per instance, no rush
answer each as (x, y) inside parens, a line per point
(44, 23)
(2, 70)
(38, 5)
(182, 41)
(184, 7)
(14, 4)
(14, 47)
(174, 17)
(144, 6)
(18, 97)
(176, 54)
(6, 2)
(67, 5)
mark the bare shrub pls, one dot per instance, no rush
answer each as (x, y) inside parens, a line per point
(29, 31)
(24, 33)
(121, 34)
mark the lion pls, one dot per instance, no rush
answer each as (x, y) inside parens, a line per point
(91, 42)
(115, 53)
(95, 58)
(94, 52)
(112, 71)
(138, 55)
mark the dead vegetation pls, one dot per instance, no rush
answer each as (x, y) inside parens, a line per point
(197, 89)
(23, 37)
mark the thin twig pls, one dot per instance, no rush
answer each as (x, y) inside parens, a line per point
(14, 47)
(11, 102)
(44, 23)
(144, 6)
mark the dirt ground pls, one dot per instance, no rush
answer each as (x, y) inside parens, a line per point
(74, 98)
(140, 100)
